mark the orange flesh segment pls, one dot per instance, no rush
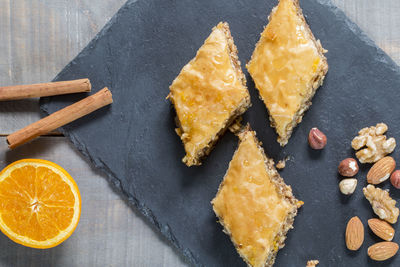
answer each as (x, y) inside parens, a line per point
(36, 203)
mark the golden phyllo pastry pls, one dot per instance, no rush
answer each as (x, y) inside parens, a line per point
(254, 204)
(208, 94)
(287, 67)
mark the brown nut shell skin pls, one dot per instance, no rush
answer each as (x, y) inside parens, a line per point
(348, 167)
(317, 139)
(395, 179)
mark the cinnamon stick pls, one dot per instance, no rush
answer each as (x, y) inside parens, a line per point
(44, 89)
(60, 118)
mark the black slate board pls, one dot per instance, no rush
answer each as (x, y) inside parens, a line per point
(140, 52)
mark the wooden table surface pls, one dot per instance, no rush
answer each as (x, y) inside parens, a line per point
(38, 38)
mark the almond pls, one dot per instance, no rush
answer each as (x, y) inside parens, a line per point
(383, 250)
(381, 229)
(354, 233)
(381, 170)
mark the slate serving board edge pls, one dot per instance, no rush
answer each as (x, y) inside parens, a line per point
(99, 164)
(385, 58)
(113, 179)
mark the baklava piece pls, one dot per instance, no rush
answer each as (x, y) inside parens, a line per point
(209, 94)
(287, 66)
(253, 203)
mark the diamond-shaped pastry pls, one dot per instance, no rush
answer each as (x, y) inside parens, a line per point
(208, 94)
(287, 66)
(253, 203)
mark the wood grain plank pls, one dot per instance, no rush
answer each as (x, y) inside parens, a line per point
(110, 232)
(380, 20)
(39, 37)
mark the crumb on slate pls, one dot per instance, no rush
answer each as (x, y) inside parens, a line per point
(312, 263)
(282, 163)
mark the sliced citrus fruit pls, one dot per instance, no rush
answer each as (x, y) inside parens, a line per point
(40, 203)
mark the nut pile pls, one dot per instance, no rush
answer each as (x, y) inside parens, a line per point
(380, 251)
(373, 147)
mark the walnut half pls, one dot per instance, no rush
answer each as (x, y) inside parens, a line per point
(382, 204)
(372, 144)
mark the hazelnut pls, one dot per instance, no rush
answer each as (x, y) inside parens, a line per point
(316, 139)
(347, 186)
(395, 179)
(348, 167)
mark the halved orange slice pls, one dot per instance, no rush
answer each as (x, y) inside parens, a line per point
(40, 203)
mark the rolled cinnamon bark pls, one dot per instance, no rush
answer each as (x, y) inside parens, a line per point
(44, 89)
(60, 118)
